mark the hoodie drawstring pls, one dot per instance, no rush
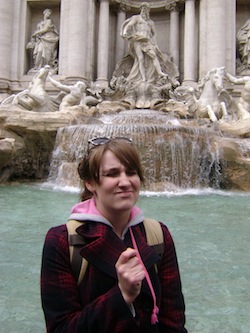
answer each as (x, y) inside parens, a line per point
(154, 318)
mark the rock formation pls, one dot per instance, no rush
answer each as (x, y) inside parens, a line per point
(27, 140)
(170, 123)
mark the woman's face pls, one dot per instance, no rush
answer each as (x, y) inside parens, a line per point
(118, 187)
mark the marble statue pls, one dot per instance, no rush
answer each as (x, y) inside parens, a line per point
(75, 95)
(44, 43)
(213, 99)
(145, 75)
(71, 94)
(35, 98)
(244, 101)
(210, 99)
(243, 41)
(140, 32)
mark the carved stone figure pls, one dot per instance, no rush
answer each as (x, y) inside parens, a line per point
(213, 99)
(139, 31)
(74, 95)
(44, 43)
(35, 98)
(244, 101)
(243, 40)
(145, 70)
(71, 94)
(210, 100)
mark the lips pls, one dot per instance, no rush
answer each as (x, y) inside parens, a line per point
(125, 193)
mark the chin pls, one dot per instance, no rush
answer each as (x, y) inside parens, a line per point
(128, 205)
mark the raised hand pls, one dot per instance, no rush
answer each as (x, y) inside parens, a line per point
(130, 275)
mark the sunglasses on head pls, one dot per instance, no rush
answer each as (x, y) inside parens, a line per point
(102, 140)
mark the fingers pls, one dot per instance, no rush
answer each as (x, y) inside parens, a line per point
(128, 265)
(130, 274)
(126, 256)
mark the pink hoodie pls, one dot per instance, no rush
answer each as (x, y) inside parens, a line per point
(87, 210)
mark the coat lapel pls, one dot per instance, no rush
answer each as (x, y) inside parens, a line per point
(103, 247)
(148, 255)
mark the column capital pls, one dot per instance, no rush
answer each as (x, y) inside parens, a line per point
(121, 7)
(175, 5)
(125, 7)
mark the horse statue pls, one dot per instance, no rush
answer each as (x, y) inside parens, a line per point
(210, 99)
(35, 98)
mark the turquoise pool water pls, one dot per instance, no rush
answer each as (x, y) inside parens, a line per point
(211, 231)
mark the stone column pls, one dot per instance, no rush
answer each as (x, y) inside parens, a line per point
(91, 47)
(6, 23)
(103, 44)
(75, 17)
(189, 44)
(64, 37)
(216, 33)
(174, 9)
(120, 42)
(231, 33)
(202, 40)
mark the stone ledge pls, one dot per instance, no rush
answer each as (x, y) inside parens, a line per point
(27, 141)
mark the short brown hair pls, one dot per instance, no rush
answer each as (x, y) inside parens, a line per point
(89, 166)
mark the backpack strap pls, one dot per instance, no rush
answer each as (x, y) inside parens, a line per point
(78, 263)
(154, 235)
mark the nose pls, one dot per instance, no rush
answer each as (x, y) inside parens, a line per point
(124, 179)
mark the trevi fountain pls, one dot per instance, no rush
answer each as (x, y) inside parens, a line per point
(172, 75)
(190, 125)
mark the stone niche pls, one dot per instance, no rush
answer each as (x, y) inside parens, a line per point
(34, 15)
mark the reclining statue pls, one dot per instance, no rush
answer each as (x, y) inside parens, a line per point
(74, 95)
(35, 98)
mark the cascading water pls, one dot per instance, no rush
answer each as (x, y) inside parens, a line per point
(173, 155)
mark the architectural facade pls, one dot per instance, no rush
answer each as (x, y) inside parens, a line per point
(197, 34)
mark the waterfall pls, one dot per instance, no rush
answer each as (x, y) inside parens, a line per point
(173, 155)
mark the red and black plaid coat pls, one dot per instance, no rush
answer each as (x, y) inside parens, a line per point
(97, 306)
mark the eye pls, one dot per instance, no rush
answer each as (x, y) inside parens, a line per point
(111, 174)
(131, 172)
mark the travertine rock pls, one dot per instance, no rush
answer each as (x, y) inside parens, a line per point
(27, 140)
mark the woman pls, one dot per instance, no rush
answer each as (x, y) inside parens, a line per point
(117, 293)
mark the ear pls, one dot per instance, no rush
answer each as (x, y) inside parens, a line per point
(90, 186)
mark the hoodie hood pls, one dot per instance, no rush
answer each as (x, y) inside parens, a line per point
(87, 211)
